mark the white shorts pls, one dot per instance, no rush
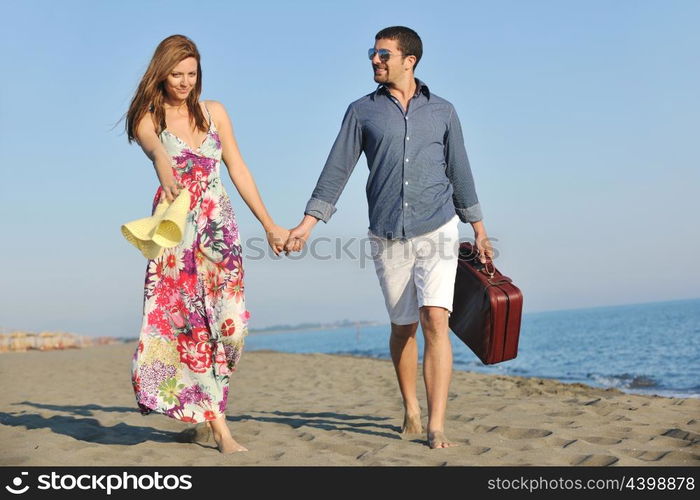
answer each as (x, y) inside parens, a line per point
(418, 271)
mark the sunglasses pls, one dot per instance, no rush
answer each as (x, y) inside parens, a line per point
(384, 54)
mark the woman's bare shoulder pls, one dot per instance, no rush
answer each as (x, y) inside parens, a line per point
(217, 110)
(211, 104)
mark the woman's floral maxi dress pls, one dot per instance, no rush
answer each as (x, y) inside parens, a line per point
(194, 315)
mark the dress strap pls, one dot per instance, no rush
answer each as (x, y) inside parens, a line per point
(211, 121)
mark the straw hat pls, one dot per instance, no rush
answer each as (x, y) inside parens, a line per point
(164, 229)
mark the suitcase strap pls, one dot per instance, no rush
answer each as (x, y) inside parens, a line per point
(502, 280)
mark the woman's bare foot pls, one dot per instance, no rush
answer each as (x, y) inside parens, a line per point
(222, 435)
(437, 439)
(226, 444)
(412, 424)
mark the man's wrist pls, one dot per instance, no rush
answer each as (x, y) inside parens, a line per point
(478, 227)
(309, 221)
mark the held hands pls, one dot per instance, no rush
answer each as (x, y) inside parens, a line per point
(298, 235)
(277, 236)
(297, 239)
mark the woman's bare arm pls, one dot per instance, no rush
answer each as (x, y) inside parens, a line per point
(242, 177)
(150, 144)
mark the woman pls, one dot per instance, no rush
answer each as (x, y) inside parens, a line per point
(194, 317)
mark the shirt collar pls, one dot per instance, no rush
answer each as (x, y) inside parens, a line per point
(420, 87)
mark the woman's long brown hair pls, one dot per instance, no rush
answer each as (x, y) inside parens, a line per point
(150, 94)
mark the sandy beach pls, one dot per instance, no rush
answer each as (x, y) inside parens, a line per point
(76, 407)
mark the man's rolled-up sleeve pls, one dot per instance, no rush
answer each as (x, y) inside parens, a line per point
(335, 174)
(459, 173)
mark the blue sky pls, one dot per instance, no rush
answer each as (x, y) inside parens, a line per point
(579, 120)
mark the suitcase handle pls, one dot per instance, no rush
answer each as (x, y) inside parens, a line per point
(469, 249)
(486, 268)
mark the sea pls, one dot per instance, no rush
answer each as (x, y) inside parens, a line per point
(650, 348)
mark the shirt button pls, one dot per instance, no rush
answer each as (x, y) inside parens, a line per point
(405, 117)
(406, 160)
(406, 183)
(405, 204)
(407, 137)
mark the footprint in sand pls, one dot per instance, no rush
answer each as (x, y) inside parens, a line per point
(369, 453)
(563, 443)
(683, 458)
(571, 413)
(601, 440)
(513, 432)
(305, 436)
(646, 455)
(693, 423)
(622, 418)
(681, 434)
(595, 460)
(668, 443)
(478, 450)
(462, 418)
(676, 457)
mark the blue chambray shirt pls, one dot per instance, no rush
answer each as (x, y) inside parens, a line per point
(419, 174)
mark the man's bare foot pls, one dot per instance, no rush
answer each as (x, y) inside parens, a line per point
(227, 444)
(412, 424)
(437, 439)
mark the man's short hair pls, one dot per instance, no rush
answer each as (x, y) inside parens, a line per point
(408, 41)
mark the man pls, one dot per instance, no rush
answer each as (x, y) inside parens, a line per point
(420, 185)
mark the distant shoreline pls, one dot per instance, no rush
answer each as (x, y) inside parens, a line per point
(304, 327)
(314, 327)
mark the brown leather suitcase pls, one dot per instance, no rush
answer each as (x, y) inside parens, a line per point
(487, 308)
